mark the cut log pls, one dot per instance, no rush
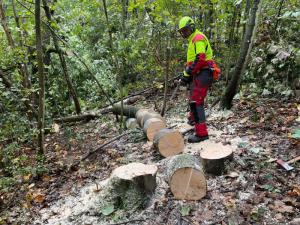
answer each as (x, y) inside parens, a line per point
(152, 126)
(140, 114)
(168, 142)
(128, 110)
(214, 158)
(151, 115)
(131, 123)
(186, 177)
(141, 176)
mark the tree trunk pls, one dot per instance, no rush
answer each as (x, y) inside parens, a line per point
(186, 177)
(232, 88)
(278, 14)
(24, 69)
(108, 25)
(62, 61)
(163, 109)
(5, 81)
(231, 42)
(39, 56)
(5, 26)
(246, 14)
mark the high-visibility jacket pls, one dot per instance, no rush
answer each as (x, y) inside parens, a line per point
(199, 54)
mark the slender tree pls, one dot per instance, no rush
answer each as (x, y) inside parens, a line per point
(163, 109)
(39, 56)
(5, 26)
(232, 88)
(62, 60)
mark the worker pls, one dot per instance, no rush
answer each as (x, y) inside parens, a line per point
(199, 72)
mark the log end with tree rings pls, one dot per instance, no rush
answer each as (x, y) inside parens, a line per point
(169, 142)
(186, 177)
(152, 126)
(140, 175)
(151, 115)
(140, 114)
(214, 158)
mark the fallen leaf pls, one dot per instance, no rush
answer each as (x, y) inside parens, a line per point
(280, 207)
(295, 192)
(55, 127)
(232, 174)
(46, 178)
(27, 177)
(108, 209)
(38, 197)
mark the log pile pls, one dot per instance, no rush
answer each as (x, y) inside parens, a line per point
(168, 142)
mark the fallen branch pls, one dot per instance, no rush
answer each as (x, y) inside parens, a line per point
(90, 116)
(69, 119)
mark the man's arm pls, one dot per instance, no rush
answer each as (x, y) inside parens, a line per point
(200, 62)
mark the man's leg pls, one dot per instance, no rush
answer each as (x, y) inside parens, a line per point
(201, 83)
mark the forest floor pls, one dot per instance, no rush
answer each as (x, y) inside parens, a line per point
(255, 190)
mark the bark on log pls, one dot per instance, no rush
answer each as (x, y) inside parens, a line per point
(131, 123)
(91, 116)
(168, 142)
(141, 176)
(128, 110)
(186, 177)
(214, 158)
(151, 115)
(152, 126)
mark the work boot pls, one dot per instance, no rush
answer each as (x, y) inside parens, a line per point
(195, 139)
(191, 122)
(191, 119)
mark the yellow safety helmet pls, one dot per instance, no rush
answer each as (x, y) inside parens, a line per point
(185, 22)
(186, 26)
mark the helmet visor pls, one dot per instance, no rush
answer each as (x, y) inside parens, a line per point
(185, 31)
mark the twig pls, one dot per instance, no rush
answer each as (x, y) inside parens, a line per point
(129, 221)
(98, 149)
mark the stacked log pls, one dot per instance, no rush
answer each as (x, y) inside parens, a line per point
(186, 177)
(168, 142)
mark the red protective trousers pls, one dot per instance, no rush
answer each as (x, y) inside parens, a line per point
(201, 83)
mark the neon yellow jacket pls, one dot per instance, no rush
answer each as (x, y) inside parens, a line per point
(199, 54)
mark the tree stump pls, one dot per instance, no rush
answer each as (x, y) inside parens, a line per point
(152, 126)
(186, 178)
(168, 142)
(138, 175)
(214, 158)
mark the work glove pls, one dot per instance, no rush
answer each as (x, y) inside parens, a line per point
(185, 78)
